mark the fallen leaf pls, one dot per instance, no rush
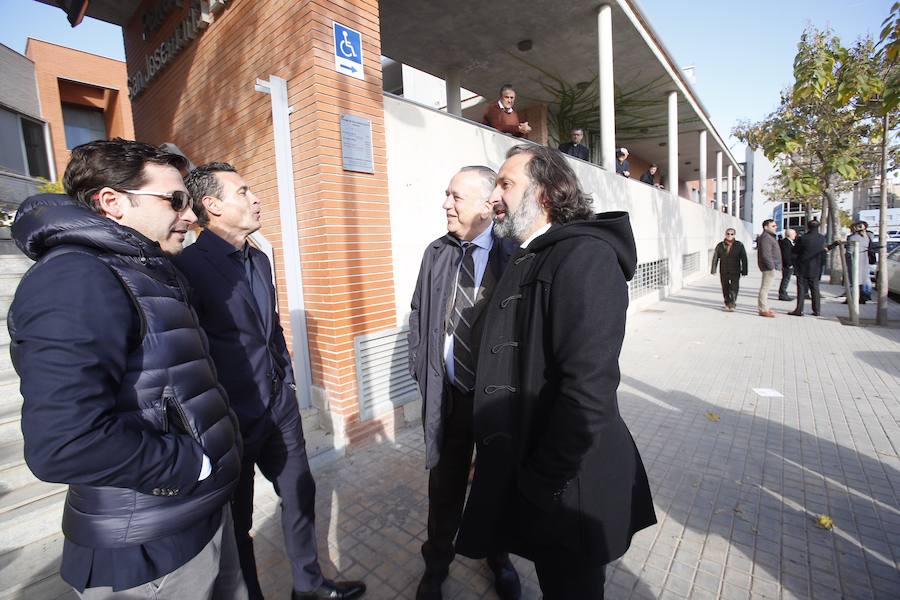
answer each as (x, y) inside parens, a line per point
(824, 521)
(714, 417)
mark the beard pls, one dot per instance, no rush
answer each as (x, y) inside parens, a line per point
(518, 223)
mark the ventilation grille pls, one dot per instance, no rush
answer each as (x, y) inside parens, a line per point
(648, 277)
(690, 263)
(382, 372)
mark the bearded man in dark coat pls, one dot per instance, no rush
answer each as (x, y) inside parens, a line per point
(558, 478)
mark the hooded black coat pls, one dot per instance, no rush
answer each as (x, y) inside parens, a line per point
(556, 465)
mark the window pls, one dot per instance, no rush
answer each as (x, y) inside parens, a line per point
(83, 124)
(35, 150)
(22, 146)
(690, 263)
(648, 277)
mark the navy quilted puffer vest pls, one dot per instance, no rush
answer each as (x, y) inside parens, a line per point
(169, 385)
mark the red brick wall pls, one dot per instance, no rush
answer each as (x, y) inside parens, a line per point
(204, 101)
(67, 75)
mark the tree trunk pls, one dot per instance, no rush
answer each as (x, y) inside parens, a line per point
(829, 215)
(881, 317)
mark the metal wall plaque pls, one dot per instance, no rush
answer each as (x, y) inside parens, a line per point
(356, 144)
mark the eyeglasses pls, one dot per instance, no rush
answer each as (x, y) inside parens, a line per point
(726, 233)
(178, 199)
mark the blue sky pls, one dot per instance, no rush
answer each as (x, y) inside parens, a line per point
(743, 51)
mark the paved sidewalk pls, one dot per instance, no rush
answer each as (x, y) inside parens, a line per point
(738, 478)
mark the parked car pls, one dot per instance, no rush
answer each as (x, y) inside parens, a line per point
(892, 244)
(893, 270)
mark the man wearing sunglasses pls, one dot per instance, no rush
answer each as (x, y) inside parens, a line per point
(121, 400)
(235, 300)
(731, 257)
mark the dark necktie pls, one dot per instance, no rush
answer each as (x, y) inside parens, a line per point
(257, 288)
(461, 321)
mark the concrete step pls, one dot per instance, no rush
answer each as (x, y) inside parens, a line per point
(10, 421)
(51, 587)
(9, 393)
(8, 284)
(16, 476)
(30, 522)
(33, 571)
(14, 264)
(11, 500)
(12, 455)
(4, 335)
(8, 374)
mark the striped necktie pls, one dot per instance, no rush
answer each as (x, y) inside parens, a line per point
(461, 321)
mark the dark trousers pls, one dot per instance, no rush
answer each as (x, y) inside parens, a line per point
(731, 285)
(275, 444)
(811, 284)
(448, 482)
(564, 577)
(785, 281)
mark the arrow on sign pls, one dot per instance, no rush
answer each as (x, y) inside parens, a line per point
(349, 68)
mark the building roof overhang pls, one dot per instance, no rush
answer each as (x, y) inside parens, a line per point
(481, 40)
(117, 12)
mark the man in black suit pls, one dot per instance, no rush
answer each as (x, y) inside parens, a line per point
(808, 254)
(457, 278)
(235, 300)
(575, 147)
(787, 263)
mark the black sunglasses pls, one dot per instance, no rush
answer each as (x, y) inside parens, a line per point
(178, 199)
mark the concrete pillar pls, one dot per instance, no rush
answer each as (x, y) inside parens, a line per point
(607, 93)
(737, 195)
(730, 190)
(453, 82)
(719, 186)
(703, 167)
(672, 181)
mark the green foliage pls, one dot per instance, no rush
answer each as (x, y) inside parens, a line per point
(889, 44)
(639, 111)
(823, 137)
(51, 187)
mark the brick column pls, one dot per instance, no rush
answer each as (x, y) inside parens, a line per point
(204, 101)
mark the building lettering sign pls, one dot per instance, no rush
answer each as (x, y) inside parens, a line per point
(154, 18)
(198, 18)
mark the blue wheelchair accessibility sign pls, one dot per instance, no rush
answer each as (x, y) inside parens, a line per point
(348, 57)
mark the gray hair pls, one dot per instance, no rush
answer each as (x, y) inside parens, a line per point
(488, 177)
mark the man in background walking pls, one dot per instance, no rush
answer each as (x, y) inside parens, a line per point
(731, 257)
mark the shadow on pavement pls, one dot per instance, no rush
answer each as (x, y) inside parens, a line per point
(738, 495)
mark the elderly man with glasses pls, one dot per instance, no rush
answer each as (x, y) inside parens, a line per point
(732, 257)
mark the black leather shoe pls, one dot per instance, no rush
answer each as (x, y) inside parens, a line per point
(785, 298)
(795, 313)
(815, 314)
(506, 580)
(337, 590)
(429, 587)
